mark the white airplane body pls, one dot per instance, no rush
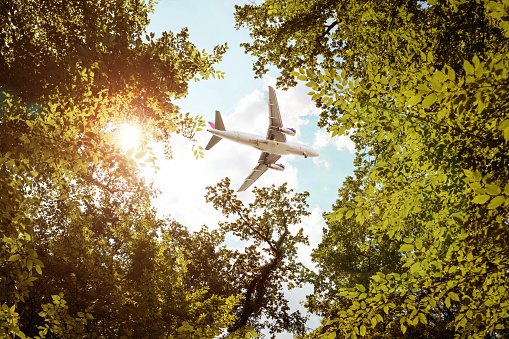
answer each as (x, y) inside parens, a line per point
(264, 145)
(272, 146)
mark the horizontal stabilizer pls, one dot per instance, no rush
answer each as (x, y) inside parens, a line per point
(214, 140)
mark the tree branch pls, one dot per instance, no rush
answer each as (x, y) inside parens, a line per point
(328, 29)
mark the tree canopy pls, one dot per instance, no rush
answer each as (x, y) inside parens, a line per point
(415, 245)
(71, 73)
(268, 262)
(422, 89)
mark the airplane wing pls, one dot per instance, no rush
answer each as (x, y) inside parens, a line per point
(265, 159)
(275, 120)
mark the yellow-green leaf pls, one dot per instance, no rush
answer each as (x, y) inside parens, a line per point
(429, 100)
(468, 67)
(496, 201)
(140, 155)
(504, 125)
(129, 152)
(414, 100)
(481, 199)
(406, 248)
(493, 189)
(454, 296)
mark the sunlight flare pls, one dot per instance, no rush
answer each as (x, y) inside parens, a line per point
(129, 136)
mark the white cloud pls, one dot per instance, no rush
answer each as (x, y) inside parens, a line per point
(323, 139)
(313, 225)
(321, 162)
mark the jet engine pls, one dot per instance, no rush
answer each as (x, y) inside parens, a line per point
(287, 130)
(277, 167)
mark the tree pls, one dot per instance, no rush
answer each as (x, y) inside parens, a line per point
(112, 269)
(348, 253)
(423, 89)
(268, 262)
(70, 75)
(348, 256)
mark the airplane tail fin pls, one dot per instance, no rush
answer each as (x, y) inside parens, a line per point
(219, 122)
(217, 125)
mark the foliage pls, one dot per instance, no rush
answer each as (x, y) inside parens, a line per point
(120, 268)
(71, 73)
(348, 254)
(268, 261)
(423, 87)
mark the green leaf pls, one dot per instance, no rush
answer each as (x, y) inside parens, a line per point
(362, 330)
(429, 100)
(373, 322)
(14, 257)
(493, 189)
(454, 296)
(414, 100)
(496, 202)
(504, 125)
(481, 199)
(418, 243)
(406, 248)
(422, 318)
(416, 267)
(467, 66)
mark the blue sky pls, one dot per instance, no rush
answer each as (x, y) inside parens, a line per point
(242, 101)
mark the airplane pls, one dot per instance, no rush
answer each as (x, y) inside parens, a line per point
(272, 146)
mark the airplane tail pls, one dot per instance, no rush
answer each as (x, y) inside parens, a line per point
(219, 122)
(217, 125)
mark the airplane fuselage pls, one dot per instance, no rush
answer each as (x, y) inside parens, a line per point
(264, 145)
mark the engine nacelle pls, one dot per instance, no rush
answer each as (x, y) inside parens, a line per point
(287, 130)
(277, 167)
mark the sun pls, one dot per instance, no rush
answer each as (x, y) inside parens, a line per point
(130, 136)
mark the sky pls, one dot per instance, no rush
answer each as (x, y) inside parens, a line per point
(242, 101)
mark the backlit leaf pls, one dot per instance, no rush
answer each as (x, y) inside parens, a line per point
(481, 199)
(429, 100)
(406, 248)
(496, 202)
(130, 152)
